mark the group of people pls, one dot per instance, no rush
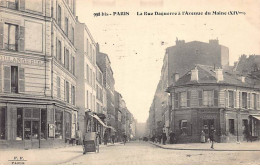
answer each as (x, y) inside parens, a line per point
(160, 138)
(211, 137)
(113, 138)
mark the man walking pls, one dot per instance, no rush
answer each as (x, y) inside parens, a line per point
(212, 138)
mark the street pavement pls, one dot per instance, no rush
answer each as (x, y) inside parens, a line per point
(141, 153)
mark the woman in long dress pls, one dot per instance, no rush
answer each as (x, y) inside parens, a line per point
(202, 137)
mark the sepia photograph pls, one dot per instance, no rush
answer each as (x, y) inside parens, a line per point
(129, 82)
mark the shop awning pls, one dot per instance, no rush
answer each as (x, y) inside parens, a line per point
(256, 117)
(99, 120)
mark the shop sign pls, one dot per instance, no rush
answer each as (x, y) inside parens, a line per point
(20, 60)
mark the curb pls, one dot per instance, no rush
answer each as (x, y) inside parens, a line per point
(220, 150)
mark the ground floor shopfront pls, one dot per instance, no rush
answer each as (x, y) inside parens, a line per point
(36, 124)
(230, 125)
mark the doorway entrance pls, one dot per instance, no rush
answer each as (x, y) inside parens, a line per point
(208, 126)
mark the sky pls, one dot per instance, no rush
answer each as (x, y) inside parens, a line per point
(136, 44)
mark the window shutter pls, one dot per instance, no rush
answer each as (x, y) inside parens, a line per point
(1, 78)
(235, 99)
(1, 35)
(22, 4)
(7, 79)
(3, 3)
(21, 38)
(226, 98)
(65, 91)
(56, 56)
(21, 80)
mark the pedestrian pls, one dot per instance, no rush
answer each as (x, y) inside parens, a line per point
(105, 138)
(172, 137)
(212, 137)
(164, 137)
(113, 138)
(202, 137)
(159, 138)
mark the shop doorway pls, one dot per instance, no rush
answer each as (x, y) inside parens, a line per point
(208, 126)
(31, 134)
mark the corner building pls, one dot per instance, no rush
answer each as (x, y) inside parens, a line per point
(37, 73)
(206, 98)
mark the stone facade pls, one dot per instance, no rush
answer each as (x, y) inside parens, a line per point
(37, 85)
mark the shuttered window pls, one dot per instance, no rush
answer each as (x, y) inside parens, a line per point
(21, 80)
(59, 15)
(215, 98)
(1, 35)
(7, 79)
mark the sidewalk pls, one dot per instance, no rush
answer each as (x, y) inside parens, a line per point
(242, 146)
(43, 156)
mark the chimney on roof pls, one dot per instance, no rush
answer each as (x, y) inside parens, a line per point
(219, 74)
(242, 78)
(194, 74)
(176, 77)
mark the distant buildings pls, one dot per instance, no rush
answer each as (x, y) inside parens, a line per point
(177, 60)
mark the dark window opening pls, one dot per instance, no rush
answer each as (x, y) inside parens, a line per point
(244, 100)
(14, 79)
(231, 126)
(59, 15)
(19, 135)
(43, 124)
(230, 99)
(2, 123)
(58, 124)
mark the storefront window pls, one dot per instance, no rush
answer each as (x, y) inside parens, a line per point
(35, 129)
(43, 123)
(58, 124)
(67, 125)
(2, 123)
(19, 124)
(27, 130)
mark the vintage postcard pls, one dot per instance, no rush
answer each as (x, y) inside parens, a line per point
(129, 82)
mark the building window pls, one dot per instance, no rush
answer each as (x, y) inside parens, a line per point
(183, 99)
(72, 35)
(19, 123)
(43, 124)
(10, 37)
(254, 101)
(67, 92)
(231, 126)
(188, 98)
(184, 127)
(67, 125)
(231, 99)
(66, 26)
(215, 98)
(59, 15)
(200, 97)
(244, 100)
(12, 4)
(73, 65)
(14, 79)
(2, 123)
(207, 98)
(58, 50)
(58, 124)
(87, 73)
(58, 87)
(257, 101)
(249, 100)
(66, 58)
(73, 95)
(176, 98)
